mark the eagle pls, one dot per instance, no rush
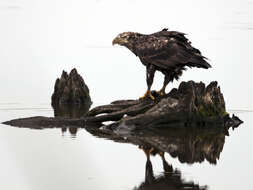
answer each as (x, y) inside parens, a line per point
(169, 52)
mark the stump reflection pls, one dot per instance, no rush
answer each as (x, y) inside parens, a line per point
(187, 145)
(71, 111)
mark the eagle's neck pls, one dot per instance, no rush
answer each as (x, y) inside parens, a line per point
(132, 47)
(135, 40)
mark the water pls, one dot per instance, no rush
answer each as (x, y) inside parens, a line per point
(75, 159)
(40, 39)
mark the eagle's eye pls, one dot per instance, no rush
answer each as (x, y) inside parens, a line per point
(124, 36)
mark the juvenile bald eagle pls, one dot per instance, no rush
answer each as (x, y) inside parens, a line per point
(166, 51)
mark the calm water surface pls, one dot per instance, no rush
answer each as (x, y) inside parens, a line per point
(75, 159)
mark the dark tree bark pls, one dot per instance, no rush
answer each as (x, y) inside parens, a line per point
(70, 90)
(192, 104)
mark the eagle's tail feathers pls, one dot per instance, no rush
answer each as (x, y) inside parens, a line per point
(199, 62)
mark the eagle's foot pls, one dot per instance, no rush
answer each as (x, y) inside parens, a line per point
(161, 154)
(148, 95)
(147, 150)
(162, 91)
(151, 149)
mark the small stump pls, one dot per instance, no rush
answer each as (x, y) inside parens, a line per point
(70, 91)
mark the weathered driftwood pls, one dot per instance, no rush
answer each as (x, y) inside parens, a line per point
(70, 90)
(40, 122)
(191, 102)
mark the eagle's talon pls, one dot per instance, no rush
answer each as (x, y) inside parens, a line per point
(147, 95)
(161, 154)
(161, 92)
(151, 149)
(147, 150)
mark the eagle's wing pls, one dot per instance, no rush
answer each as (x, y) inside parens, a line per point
(180, 36)
(169, 51)
(163, 52)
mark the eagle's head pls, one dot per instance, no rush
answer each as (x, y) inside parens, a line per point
(125, 39)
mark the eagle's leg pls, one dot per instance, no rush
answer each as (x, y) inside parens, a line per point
(147, 150)
(168, 169)
(149, 174)
(150, 72)
(165, 83)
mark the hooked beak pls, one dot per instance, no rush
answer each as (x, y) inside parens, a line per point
(119, 41)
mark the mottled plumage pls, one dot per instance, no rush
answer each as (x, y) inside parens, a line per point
(166, 51)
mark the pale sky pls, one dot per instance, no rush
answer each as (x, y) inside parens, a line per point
(41, 38)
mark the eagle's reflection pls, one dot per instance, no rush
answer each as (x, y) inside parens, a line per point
(189, 146)
(170, 179)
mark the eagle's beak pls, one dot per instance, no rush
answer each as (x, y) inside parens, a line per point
(119, 41)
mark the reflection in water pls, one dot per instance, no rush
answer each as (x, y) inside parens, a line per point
(73, 131)
(71, 111)
(170, 179)
(188, 145)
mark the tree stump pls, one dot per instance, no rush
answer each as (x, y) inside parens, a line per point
(70, 90)
(191, 104)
